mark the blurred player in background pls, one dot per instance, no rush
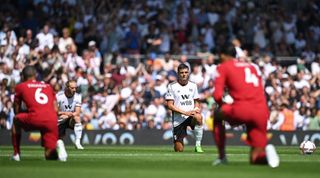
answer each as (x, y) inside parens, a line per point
(41, 114)
(249, 107)
(69, 103)
(182, 99)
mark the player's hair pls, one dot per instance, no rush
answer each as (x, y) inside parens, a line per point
(70, 81)
(229, 50)
(182, 66)
(28, 72)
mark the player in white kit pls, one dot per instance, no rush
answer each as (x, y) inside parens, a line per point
(69, 111)
(182, 99)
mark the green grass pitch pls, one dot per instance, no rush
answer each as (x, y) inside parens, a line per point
(154, 162)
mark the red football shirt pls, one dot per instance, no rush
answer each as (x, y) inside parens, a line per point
(38, 97)
(242, 81)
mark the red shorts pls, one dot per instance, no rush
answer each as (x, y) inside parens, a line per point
(255, 118)
(48, 128)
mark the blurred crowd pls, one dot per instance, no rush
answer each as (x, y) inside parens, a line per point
(124, 53)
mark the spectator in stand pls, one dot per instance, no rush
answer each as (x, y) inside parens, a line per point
(196, 75)
(3, 120)
(30, 41)
(4, 59)
(184, 60)
(133, 40)
(315, 66)
(152, 40)
(45, 38)
(23, 50)
(65, 40)
(156, 111)
(285, 120)
(300, 116)
(166, 38)
(210, 66)
(95, 58)
(127, 69)
(314, 119)
(107, 120)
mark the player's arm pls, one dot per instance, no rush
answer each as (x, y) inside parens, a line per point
(17, 101)
(172, 107)
(197, 105)
(219, 84)
(196, 100)
(55, 104)
(60, 113)
(17, 107)
(76, 112)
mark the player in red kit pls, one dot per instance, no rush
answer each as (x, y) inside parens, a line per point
(41, 115)
(249, 107)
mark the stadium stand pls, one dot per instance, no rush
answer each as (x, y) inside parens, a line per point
(124, 53)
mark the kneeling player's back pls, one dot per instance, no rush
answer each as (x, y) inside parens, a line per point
(243, 81)
(38, 97)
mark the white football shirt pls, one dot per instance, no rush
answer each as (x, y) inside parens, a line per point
(183, 97)
(66, 104)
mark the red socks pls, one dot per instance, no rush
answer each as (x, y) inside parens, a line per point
(16, 139)
(219, 137)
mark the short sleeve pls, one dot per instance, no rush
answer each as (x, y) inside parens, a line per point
(196, 93)
(18, 94)
(169, 94)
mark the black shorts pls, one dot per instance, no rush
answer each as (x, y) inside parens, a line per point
(180, 131)
(63, 125)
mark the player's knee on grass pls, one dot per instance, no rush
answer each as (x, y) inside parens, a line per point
(51, 154)
(258, 156)
(178, 147)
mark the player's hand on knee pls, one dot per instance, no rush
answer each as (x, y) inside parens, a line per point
(190, 113)
(197, 110)
(63, 116)
(70, 114)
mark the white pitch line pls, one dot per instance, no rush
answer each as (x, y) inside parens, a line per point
(144, 154)
(95, 155)
(113, 155)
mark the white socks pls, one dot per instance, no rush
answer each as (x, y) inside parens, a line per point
(198, 132)
(78, 131)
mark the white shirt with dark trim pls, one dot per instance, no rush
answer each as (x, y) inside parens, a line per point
(183, 97)
(66, 104)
